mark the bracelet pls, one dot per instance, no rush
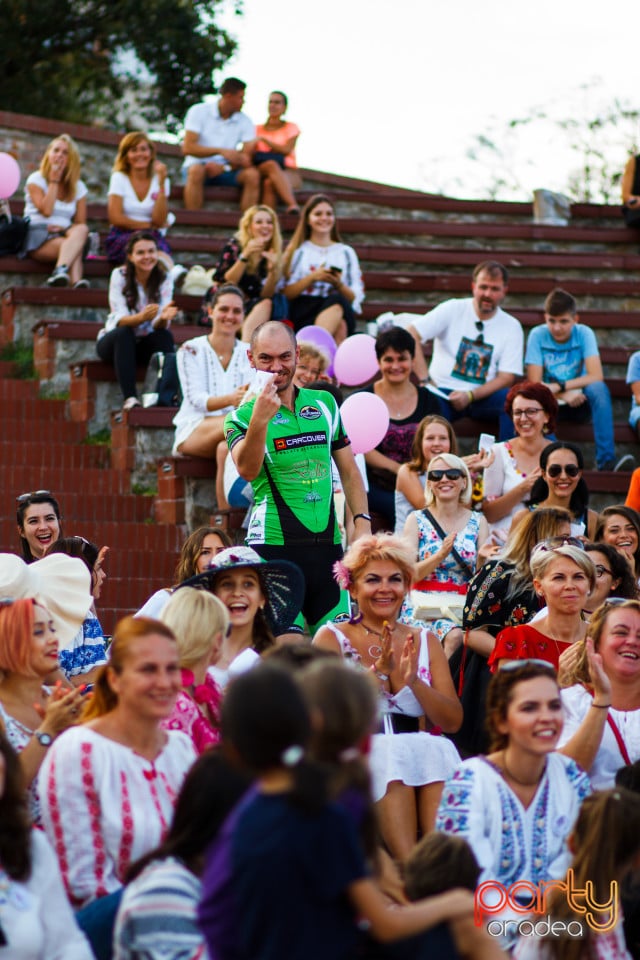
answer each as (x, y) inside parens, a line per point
(364, 516)
(470, 395)
(376, 673)
(243, 259)
(601, 706)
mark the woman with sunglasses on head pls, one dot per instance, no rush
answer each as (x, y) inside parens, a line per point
(447, 538)
(601, 699)
(39, 523)
(561, 484)
(563, 577)
(500, 595)
(516, 467)
(517, 805)
(620, 526)
(36, 920)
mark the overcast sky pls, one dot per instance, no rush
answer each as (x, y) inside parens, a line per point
(397, 91)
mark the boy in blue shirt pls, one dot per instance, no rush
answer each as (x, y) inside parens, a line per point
(563, 354)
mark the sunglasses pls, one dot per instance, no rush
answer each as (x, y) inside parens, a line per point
(556, 543)
(517, 664)
(452, 474)
(480, 329)
(529, 413)
(34, 493)
(571, 470)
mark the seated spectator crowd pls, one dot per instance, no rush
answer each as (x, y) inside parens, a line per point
(412, 693)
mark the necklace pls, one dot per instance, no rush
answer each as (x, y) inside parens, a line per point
(375, 649)
(521, 783)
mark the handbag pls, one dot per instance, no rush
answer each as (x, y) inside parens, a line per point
(198, 281)
(13, 234)
(162, 384)
(439, 601)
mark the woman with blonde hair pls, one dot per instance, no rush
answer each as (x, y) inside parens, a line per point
(563, 577)
(109, 786)
(55, 202)
(415, 689)
(447, 537)
(200, 622)
(138, 198)
(434, 435)
(251, 260)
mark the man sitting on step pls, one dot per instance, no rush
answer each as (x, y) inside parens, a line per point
(477, 350)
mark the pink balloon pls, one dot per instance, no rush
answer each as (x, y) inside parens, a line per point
(9, 175)
(319, 337)
(366, 420)
(355, 361)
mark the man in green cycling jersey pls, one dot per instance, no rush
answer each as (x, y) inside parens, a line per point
(282, 441)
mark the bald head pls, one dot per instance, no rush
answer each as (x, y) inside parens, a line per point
(267, 330)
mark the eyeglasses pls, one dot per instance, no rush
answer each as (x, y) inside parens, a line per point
(517, 664)
(33, 493)
(600, 570)
(529, 413)
(453, 474)
(480, 329)
(571, 470)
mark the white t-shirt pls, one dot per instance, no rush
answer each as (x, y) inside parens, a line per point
(459, 361)
(120, 185)
(63, 210)
(35, 914)
(205, 120)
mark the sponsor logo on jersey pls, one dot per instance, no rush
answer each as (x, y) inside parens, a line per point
(341, 618)
(280, 418)
(310, 413)
(300, 440)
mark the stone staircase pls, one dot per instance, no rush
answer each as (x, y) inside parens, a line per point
(416, 249)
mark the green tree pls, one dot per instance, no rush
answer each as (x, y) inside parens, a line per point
(82, 60)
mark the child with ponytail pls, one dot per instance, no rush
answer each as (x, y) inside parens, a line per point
(287, 877)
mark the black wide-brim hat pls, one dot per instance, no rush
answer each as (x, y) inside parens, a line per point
(283, 583)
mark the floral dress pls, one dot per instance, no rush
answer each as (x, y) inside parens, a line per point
(415, 759)
(449, 570)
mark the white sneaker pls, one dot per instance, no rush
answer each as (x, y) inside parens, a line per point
(627, 462)
(130, 402)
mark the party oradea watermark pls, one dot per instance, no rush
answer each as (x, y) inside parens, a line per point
(531, 902)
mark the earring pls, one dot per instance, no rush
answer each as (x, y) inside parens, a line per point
(355, 616)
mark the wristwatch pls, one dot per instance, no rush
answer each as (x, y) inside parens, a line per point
(44, 739)
(365, 516)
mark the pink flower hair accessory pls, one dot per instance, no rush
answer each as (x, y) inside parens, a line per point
(342, 575)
